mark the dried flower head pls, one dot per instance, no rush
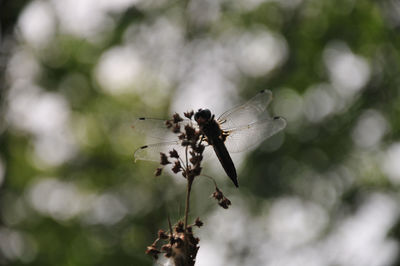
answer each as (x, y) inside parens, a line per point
(162, 234)
(152, 251)
(195, 241)
(198, 223)
(196, 170)
(179, 227)
(177, 167)
(196, 159)
(176, 118)
(178, 241)
(158, 171)
(224, 203)
(218, 195)
(164, 159)
(228, 202)
(167, 249)
(168, 123)
(199, 148)
(176, 128)
(174, 154)
(190, 133)
(189, 114)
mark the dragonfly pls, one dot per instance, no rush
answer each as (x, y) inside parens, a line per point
(238, 129)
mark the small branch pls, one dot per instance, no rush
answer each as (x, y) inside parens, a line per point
(212, 179)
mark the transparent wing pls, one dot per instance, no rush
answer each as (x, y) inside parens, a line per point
(252, 111)
(246, 137)
(152, 152)
(156, 128)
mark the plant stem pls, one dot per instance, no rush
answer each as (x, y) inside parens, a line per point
(187, 204)
(188, 188)
(187, 207)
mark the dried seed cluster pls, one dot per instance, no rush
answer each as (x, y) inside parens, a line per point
(223, 201)
(190, 165)
(181, 244)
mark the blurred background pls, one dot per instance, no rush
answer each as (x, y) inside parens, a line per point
(75, 73)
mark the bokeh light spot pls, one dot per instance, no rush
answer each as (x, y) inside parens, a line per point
(37, 23)
(319, 102)
(390, 163)
(260, 52)
(348, 72)
(118, 70)
(370, 128)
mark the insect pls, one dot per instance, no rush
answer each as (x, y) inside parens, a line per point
(236, 130)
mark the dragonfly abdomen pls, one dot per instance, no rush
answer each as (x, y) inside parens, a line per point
(225, 159)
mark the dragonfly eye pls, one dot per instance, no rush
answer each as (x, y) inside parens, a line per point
(202, 114)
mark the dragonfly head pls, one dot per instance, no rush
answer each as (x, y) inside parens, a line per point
(202, 116)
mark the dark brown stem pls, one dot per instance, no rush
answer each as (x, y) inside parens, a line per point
(188, 190)
(187, 208)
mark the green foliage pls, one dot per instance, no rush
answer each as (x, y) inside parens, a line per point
(69, 190)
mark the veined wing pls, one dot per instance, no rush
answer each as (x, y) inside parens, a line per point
(152, 152)
(245, 137)
(156, 128)
(247, 113)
